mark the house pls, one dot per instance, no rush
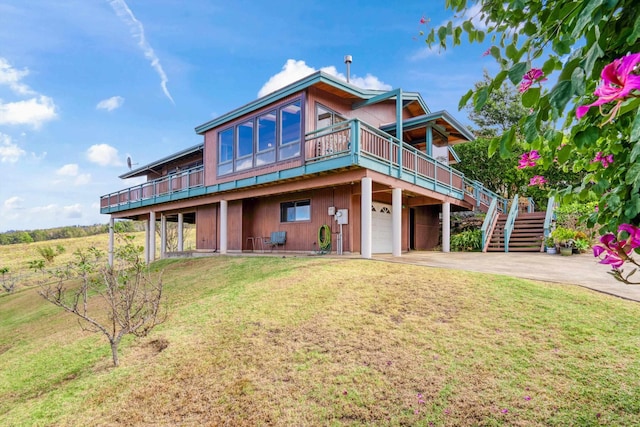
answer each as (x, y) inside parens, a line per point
(317, 152)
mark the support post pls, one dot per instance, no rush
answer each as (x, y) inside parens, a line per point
(366, 198)
(396, 218)
(446, 227)
(180, 232)
(163, 235)
(111, 245)
(146, 242)
(223, 226)
(152, 236)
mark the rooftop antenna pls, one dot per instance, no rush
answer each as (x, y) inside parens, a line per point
(129, 162)
(348, 59)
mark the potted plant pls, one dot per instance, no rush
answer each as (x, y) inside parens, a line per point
(565, 239)
(551, 246)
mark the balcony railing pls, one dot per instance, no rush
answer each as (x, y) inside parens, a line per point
(184, 180)
(365, 145)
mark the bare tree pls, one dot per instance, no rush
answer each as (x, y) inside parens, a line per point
(115, 301)
(8, 284)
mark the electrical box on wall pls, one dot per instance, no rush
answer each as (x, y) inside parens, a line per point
(342, 216)
(332, 210)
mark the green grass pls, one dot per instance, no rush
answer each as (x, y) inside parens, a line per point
(319, 341)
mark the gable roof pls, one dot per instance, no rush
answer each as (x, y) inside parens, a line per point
(320, 79)
(456, 132)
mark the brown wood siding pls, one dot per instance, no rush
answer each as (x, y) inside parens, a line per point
(262, 216)
(427, 227)
(211, 146)
(234, 225)
(206, 227)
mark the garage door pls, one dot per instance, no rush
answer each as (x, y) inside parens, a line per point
(382, 228)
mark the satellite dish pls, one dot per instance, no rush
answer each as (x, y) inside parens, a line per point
(129, 162)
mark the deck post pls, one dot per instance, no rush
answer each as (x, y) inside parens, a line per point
(180, 232)
(429, 140)
(152, 236)
(223, 226)
(146, 241)
(446, 226)
(396, 218)
(111, 225)
(163, 235)
(366, 198)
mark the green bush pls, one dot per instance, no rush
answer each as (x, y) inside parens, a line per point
(563, 236)
(574, 215)
(467, 241)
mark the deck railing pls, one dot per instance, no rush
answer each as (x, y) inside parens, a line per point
(184, 180)
(350, 138)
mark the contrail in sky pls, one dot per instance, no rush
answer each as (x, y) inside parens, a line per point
(137, 30)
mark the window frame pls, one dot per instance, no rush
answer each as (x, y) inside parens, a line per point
(296, 205)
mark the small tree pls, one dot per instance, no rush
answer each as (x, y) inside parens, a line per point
(49, 253)
(115, 301)
(7, 283)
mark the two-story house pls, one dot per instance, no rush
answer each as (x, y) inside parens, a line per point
(373, 166)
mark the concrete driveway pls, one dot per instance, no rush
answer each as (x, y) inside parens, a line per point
(583, 270)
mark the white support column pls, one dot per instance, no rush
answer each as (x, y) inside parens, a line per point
(446, 226)
(396, 221)
(366, 198)
(152, 236)
(180, 232)
(147, 258)
(223, 226)
(163, 235)
(111, 225)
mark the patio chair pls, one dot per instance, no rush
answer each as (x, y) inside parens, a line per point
(278, 238)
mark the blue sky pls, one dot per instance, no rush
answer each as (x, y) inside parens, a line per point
(86, 83)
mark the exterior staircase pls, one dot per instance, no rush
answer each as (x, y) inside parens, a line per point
(527, 234)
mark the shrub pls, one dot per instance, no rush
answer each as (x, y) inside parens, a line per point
(466, 241)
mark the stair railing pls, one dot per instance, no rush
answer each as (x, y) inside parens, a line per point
(489, 224)
(511, 220)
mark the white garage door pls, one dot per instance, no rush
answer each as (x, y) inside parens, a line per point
(382, 228)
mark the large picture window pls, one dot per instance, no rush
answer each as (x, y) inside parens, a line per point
(260, 140)
(295, 211)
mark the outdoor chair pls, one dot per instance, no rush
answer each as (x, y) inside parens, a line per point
(278, 238)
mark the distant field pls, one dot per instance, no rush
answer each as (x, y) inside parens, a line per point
(319, 341)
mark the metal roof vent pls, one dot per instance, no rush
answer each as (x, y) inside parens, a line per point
(348, 59)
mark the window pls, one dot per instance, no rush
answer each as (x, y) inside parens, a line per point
(245, 146)
(262, 139)
(266, 138)
(295, 211)
(290, 130)
(325, 117)
(225, 155)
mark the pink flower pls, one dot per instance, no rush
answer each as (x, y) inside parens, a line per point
(537, 180)
(616, 250)
(534, 75)
(605, 160)
(528, 159)
(527, 398)
(423, 20)
(505, 411)
(618, 80)
(634, 234)
(487, 52)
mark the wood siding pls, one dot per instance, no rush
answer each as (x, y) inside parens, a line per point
(207, 227)
(427, 227)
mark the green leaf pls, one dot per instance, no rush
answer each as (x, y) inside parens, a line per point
(480, 98)
(467, 26)
(465, 99)
(578, 81)
(480, 36)
(562, 47)
(493, 146)
(506, 142)
(550, 65)
(635, 129)
(590, 58)
(511, 51)
(561, 94)
(635, 152)
(530, 28)
(631, 39)
(456, 35)
(531, 97)
(530, 129)
(587, 137)
(563, 154)
(633, 174)
(517, 71)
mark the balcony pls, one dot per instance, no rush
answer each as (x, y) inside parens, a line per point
(345, 144)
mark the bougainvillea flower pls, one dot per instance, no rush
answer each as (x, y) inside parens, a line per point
(618, 81)
(528, 159)
(606, 160)
(537, 180)
(534, 75)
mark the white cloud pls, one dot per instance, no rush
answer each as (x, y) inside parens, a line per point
(11, 77)
(70, 169)
(71, 211)
(110, 104)
(9, 152)
(104, 155)
(13, 203)
(82, 179)
(34, 111)
(295, 70)
(427, 52)
(137, 30)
